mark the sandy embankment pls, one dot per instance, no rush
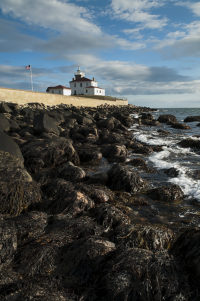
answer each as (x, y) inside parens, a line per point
(24, 97)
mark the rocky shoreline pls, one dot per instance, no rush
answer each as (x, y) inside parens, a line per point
(78, 220)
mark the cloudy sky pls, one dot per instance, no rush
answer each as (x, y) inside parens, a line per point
(145, 50)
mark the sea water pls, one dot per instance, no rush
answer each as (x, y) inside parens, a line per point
(185, 160)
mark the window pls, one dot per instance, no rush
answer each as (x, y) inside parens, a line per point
(99, 91)
(53, 91)
(80, 84)
(75, 85)
(74, 92)
(86, 90)
(87, 84)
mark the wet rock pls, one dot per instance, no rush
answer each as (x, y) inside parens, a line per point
(44, 123)
(148, 237)
(4, 108)
(70, 172)
(137, 274)
(187, 251)
(181, 126)
(4, 123)
(17, 189)
(167, 118)
(195, 144)
(89, 154)
(123, 178)
(163, 132)
(8, 241)
(41, 153)
(99, 194)
(168, 193)
(115, 153)
(192, 118)
(139, 148)
(8, 145)
(171, 172)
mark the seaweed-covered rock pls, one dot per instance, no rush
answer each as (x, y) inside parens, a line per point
(192, 118)
(123, 178)
(41, 153)
(115, 153)
(17, 189)
(8, 241)
(168, 193)
(187, 251)
(4, 123)
(137, 274)
(70, 172)
(167, 118)
(44, 123)
(8, 145)
(193, 143)
(145, 236)
(181, 126)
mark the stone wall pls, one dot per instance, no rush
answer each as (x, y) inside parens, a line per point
(24, 97)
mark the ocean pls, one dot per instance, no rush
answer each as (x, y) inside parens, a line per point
(185, 160)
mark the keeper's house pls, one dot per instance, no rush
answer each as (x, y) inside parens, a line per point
(62, 90)
(81, 85)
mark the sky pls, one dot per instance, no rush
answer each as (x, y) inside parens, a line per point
(147, 51)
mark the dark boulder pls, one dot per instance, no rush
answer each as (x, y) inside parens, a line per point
(168, 193)
(115, 153)
(181, 126)
(139, 148)
(89, 154)
(187, 251)
(192, 118)
(123, 178)
(138, 274)
(44, 123)
(8, 145)
(167, 118)
(145, 236)
(70, 172)
(4, 123)
(171, 172)
(17, 189)
(163, 132)
(8, 241)
(195, 144)
(48, 153)
(4, 108)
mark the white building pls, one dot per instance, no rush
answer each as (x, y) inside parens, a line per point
(59, 90)
(81, 85)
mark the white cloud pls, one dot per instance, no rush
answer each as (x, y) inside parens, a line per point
(139, 11)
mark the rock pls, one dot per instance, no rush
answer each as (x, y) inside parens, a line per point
(195, 144)
(89, 154)
(4, 123)
(187, 251)
(192, 118)
(138, 274)
(8, 145)
(53, 152)
(122, 178)
(171, 172)
(70, 172)
(167, 118)
(17, 189)
(181, 126)
(168, 193)
(115, 153)
(139, 148)
(4, 108)
(163, 132)
(146, 116)
(148, 237)
(8, 241)
(44, 123)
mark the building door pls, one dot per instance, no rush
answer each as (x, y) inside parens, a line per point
(74, 92)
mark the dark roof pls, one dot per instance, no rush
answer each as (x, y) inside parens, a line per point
(93, 87)
(58, 87)
(81, 79)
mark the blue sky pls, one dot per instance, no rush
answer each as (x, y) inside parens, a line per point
(145, 50)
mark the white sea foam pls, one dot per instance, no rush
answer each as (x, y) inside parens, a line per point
(151, 139)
